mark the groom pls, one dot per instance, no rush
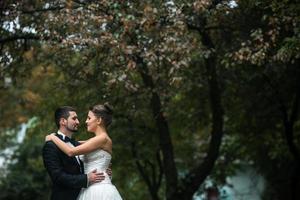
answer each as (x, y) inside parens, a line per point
(66, 172)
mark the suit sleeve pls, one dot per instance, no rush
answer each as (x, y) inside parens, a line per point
(55, 169)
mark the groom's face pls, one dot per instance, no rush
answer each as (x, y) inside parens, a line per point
(72, 122)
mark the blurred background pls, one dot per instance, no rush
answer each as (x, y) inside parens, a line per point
(205, 93)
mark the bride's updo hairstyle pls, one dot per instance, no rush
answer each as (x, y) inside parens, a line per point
(104, 112)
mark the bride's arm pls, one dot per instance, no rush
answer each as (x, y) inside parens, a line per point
(89, 146)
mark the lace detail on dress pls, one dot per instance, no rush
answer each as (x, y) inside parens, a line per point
(98, 159)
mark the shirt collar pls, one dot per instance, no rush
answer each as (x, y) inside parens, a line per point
(63, 135)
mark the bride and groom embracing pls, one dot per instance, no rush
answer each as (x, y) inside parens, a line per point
(80, 170)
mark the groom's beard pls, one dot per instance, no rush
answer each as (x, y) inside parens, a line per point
(72, 129)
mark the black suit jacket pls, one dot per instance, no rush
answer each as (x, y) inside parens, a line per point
(65, 172)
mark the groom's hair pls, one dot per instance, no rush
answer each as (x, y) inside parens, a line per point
(62, 112)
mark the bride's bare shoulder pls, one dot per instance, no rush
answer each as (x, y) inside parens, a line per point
(100, 139)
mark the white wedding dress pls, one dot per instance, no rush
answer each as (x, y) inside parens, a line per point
(105, 190)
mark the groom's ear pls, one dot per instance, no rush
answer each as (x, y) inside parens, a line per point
(62, 121)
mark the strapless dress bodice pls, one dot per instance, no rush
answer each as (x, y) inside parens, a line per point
(99, 160)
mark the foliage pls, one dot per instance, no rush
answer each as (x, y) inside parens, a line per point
(170, 69)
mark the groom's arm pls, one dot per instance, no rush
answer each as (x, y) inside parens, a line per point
(54, 167)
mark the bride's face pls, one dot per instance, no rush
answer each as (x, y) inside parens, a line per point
(92, 122)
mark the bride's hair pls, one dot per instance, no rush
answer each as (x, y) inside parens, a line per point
(104, 112)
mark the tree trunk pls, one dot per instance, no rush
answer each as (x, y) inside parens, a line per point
(166, 145)
(191, 183)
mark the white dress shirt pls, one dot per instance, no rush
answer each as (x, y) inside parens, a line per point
(70, 144)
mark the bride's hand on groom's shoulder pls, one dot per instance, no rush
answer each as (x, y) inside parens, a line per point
(49, 137)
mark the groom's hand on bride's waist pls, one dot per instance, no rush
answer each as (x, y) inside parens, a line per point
(95, 177)
(109, 171)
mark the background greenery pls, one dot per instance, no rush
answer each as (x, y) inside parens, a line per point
(198, 87)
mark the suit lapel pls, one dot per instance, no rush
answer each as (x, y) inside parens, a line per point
(73, 158)
(75, 143)
(59, 136)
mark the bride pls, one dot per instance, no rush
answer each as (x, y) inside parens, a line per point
(96, 153)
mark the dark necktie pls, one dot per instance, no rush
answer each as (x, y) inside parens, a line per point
(67, 139)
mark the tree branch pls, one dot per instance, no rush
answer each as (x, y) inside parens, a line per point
(197, 175)
(160, 174)
(57, 8)
(166, 146)
(288, 122)
(139, 165)
(153, 189)
(19, 37)
(295, 108)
